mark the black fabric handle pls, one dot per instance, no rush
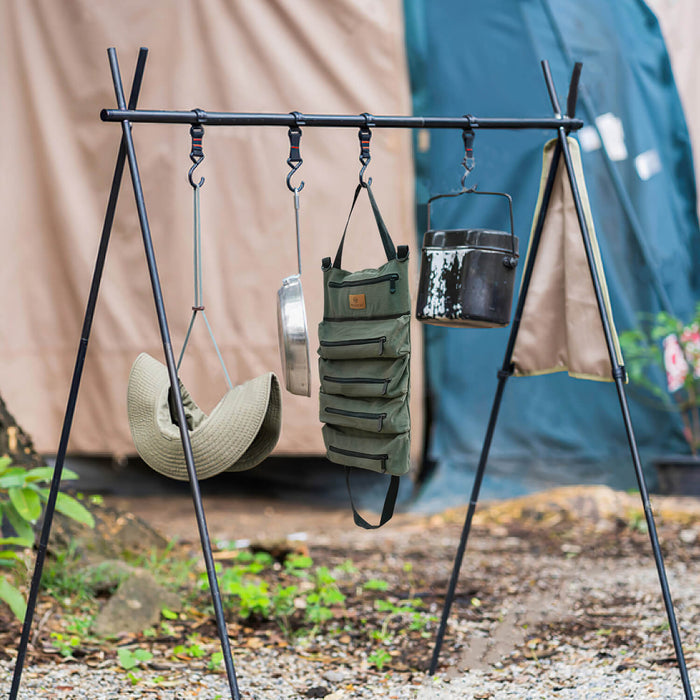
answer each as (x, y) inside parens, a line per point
(388, 244)
(387, 510)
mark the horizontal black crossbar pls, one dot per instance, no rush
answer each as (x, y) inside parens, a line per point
(198, 116)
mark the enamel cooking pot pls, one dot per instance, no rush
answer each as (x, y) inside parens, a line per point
(467, 276)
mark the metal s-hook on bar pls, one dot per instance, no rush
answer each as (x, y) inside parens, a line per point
(294, 161)
(197, 152)
(365, 134)
(468, 162)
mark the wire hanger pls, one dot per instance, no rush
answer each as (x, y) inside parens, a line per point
(197, 156)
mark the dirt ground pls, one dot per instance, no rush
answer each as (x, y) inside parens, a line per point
(567, 569)
(571, 566)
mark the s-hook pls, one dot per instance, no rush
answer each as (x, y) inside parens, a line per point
(294, 161)
(197, 153)
(364, 134)
(468, 162)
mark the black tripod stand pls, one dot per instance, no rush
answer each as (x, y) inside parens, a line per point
(129, 115)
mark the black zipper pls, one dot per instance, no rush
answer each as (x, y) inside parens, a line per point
(361, 341)
(360, 455)
(388, 317)
(375, 280)
(358, 380)
(379, 417)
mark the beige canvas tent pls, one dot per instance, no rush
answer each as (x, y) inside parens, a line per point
(311, 56)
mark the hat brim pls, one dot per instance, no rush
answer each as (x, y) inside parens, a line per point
(240, 432)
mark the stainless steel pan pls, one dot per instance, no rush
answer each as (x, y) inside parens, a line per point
(292, 331)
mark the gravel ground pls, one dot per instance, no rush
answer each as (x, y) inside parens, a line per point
(591, 601)
(274, 676)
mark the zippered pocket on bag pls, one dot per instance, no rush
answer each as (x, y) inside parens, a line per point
(372, 415)
(376, 377)
(363, 343)
(391, 278)
(381, 458)
(380, 384)
(361, 339)
(361, 417)
(388, 454)
(379, 293)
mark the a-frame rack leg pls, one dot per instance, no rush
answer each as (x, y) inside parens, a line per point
(174, 381)
(562, 149)
(74, 387)
(126, 151)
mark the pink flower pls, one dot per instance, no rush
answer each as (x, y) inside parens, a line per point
(690, 338)
(675, 363)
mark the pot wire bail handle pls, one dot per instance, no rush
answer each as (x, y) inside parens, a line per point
(294, 162)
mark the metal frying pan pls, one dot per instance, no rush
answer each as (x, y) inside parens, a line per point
(292, 331)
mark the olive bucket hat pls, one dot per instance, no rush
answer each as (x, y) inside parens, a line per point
(242, 429)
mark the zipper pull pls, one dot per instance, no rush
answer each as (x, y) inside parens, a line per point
(392, 284)
(385, 387)
(382, 340)
(380, 422)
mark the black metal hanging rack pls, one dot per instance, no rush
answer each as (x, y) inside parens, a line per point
(127, 114)
(199, 116)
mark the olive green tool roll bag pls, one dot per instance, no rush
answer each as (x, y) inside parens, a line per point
(364, 350)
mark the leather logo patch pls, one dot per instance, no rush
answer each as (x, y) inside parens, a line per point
(357, 301)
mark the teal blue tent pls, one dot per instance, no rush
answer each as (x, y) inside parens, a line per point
(484, 59)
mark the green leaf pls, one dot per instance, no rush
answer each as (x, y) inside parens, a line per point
(21, 527)
(13, 598)
(26, 502)
(376, 584)
(126, 659)
(46, 474)
(8, 556)
(5, 462)
(17, 541)
(68, 506)
(12, 478)
(142, 654)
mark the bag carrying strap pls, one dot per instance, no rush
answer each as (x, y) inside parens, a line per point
(387, 509)
(388, 244)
